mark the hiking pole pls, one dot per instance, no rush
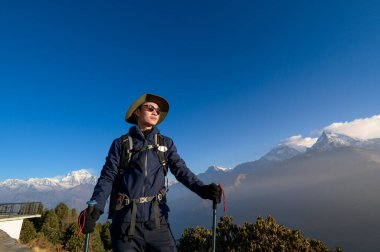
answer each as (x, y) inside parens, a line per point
(90, 207)
(214, 204)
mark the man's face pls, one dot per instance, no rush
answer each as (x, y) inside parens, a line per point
(148, 114)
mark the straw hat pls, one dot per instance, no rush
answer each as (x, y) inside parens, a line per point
(161, 102)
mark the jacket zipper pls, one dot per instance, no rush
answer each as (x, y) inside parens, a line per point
(145, 176)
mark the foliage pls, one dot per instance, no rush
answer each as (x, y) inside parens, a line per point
(64, 216)
(195, 239)
(264, 235)
(57, 231)
(28, 232)
(96, 240)
(50, 227)
(73, 242)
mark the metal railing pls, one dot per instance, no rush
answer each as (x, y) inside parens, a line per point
(14, 209)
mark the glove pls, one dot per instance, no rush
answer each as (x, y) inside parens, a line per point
(212, 192)
(87, 219)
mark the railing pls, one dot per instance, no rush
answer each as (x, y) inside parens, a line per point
(13, 209)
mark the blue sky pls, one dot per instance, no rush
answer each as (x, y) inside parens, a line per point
(239, 76)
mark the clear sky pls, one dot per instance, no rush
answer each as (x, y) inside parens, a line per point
(240, 76)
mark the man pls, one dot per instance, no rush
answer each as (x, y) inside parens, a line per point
(140, 219)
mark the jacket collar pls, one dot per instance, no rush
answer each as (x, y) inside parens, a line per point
(135, 131)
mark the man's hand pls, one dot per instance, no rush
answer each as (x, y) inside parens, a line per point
(91, 214)
(212, 192)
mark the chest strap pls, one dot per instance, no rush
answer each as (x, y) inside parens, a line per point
(124, 200)
(158, 146)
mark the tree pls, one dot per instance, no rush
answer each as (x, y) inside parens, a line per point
(73, 242)
(58, 231)
(264, 235)
(37, 222)
(50, 227)
(63, 214)
(96, 243)
(28, 232)
(73, 215)
(196, 239)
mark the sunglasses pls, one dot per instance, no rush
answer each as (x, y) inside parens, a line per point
(151, 108)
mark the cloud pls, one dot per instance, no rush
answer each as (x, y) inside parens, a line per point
(364, 128)
(239, 179)
(299, 141)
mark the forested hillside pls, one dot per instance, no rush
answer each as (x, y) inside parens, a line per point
(57, 231)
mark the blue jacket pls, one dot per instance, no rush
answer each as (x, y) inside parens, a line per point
(143, 177)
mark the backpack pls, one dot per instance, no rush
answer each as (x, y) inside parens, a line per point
(126, 153)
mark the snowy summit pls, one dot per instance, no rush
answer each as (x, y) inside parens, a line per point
(72, 179)
(215, 168)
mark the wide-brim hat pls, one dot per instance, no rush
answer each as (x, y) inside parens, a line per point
(161, 102)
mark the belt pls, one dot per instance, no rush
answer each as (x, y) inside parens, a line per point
(124, 200)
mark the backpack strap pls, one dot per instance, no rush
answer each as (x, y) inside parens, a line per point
(126, 154)
(160, 150)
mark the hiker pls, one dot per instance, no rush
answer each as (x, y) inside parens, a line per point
(135, 172)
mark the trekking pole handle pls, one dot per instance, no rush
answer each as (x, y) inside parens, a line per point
(90, 207)
(214, 202)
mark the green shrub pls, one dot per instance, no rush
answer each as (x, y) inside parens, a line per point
(264, 235)
(28, 232)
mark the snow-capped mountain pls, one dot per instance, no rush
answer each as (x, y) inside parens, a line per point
(79, 177)
(329, 140)
(72, 179)
(282, 152)
(319, 191)
(217, 169)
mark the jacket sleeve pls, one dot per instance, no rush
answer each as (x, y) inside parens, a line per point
(108, 175)
(179, 169)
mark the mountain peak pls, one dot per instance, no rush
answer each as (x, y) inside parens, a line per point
(214, 168)
(329, 140)
(72, 179)
(281, 152)
(82, 176)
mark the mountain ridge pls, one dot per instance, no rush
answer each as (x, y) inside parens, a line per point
(72, 179)
(331, 185)
(327, 141)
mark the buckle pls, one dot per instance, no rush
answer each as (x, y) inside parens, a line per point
(143, 200)
(159, 197)
(123, 199)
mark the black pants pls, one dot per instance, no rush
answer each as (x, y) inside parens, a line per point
(147, 237)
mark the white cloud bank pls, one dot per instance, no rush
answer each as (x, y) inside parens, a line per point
(300, 141)
(365, 128)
